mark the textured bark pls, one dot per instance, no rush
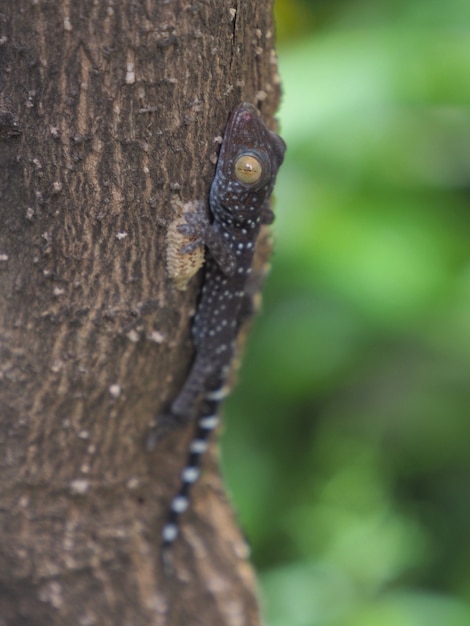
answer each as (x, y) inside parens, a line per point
(109, 113)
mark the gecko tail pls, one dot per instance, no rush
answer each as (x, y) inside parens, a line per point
(206, 423)
(193, 389)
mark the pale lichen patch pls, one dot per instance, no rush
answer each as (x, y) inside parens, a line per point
(181, 267)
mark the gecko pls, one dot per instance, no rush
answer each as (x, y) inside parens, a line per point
(248, 162)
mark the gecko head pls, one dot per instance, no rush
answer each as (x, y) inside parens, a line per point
(248, 162)
(252, 154)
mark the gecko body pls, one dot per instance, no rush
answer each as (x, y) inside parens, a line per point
(249, 159)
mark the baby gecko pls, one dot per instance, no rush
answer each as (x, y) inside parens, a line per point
(248, 162)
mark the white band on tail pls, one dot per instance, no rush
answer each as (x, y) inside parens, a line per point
(209, 422)
(219, 394)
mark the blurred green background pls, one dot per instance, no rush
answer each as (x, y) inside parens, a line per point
(347, 442)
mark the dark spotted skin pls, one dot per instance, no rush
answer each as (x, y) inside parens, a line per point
(237, 211)
(237, 214)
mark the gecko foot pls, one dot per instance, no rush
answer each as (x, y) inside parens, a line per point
(197, 226)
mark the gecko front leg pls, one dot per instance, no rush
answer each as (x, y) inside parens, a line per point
(207, 234)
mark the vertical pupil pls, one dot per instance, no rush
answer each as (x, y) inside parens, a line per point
(248, 169)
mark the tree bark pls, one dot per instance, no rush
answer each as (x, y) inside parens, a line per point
(109, 118)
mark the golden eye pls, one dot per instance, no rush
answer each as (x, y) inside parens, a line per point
(248, 169)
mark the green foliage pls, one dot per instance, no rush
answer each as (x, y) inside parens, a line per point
(348, 439)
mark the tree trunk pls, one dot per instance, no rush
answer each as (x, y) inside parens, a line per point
(110, 114)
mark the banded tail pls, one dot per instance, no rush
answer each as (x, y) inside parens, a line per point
(206, 423)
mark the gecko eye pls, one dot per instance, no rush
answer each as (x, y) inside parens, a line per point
(248, 169)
